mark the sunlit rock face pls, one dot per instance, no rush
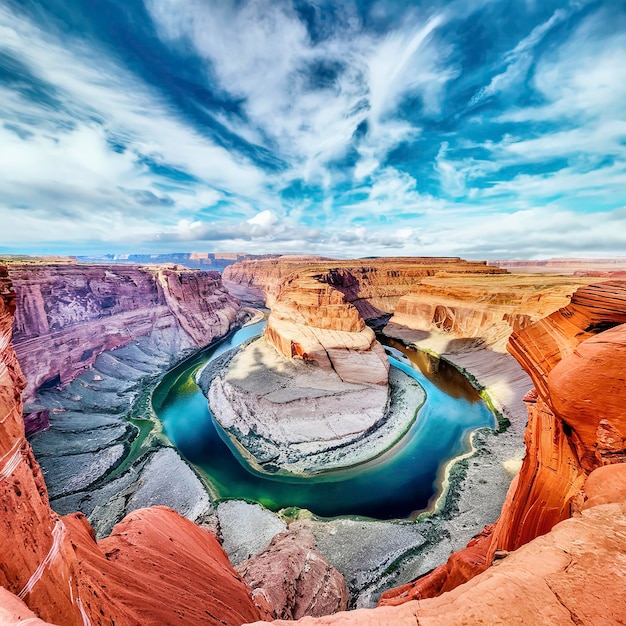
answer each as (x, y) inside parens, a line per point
(571, 575)
(314, 322)
(155, 568)
(68, 314)
(373, 286)
(575, 426)
(294, 579)
(481, 310)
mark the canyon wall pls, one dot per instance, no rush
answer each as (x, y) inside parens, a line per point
(555, 554)
(155, 568)
(576, 424)
(373, 286)
(469, 300)
(312, 320)
(483, 310)
(90, 340)
(68, 314)
(572, 575)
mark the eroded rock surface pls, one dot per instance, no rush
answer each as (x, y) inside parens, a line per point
(156, 568)
(69, 314)
(91, 339)
(572, 575)
(294, 579)
(564, 441)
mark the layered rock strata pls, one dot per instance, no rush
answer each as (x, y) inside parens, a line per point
(91, 339)
(373, 286)
(293, 415)
(313, 321)
(573, 427)
(156, 568)
(68, 314)
(480, 311)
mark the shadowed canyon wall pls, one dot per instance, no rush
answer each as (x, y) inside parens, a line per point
(155, 568)
(68, 314)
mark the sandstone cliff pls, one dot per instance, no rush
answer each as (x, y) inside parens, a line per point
(576, 424)
(313, 321)
(156, 568)
(90, 340)
(68, 314)
(572, 575)
(373, 286)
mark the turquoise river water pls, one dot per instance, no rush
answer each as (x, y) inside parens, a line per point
(400, 483)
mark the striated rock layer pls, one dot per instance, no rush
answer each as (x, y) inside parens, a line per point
(312, 320)
(372, 285)
(293, 579)
(68, 314)
(576, 424)
(482, 310)
(156, 568)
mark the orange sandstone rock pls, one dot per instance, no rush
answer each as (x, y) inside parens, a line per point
(294, 579)
(574, 426)
(156, 568)
(571, 575)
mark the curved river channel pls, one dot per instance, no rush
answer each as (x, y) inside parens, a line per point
(400, 483)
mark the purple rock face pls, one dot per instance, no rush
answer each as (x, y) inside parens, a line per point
(36, 421)
(68, 314)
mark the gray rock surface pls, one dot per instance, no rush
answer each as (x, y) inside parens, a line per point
(246, 529)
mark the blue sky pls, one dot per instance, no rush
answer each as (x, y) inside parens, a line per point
(484, 129)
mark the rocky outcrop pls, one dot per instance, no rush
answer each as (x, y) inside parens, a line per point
(68, 314)
(293, 415)
(573, 427)
(156, 568)
(91, 339)
(470, 303)
(293, 579)
(569, 576)
(481, 311)
(313, 321)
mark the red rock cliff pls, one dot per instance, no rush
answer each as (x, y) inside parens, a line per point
(313, 321)
(373, 286)
(576, 424)
(68, 314)
(155, 568)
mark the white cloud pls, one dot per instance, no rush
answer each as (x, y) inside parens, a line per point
(260, 51)
(519, 60)
(62, 159)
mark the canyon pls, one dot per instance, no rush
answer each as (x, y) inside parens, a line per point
(155, 567)
(568, 500)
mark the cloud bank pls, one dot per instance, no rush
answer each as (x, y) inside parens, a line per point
(483, 129)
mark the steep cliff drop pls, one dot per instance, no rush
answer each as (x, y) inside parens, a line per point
(155, 568)
(90, 340)
(545, 568)
(576, 424)
(68, 314)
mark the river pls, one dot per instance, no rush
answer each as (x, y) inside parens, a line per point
(402, 482)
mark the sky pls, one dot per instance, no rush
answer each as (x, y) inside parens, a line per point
(475, 128)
